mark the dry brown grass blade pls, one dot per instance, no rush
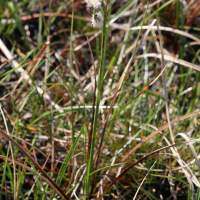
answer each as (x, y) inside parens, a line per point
(162, 28)
(194, 15)
(143, 181)
(30, 66)
(191, 44)
(190, 177)
(191, 147)
(144, 89)
(159, 130)
(55, 186)
(140, 161)
(46, 14)
(172, 59)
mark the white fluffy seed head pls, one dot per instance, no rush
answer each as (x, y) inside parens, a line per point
(96, 4)
(97, 20)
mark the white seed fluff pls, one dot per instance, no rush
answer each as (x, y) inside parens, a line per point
(97, 20)
(94, 3)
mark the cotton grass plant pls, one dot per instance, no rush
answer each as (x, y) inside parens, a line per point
(102, 101)
(97, 18)
(96, 4)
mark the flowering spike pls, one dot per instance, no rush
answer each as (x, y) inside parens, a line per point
(97, 20)
(96, 4)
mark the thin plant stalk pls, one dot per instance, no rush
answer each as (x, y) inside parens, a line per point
(71, 35)
(98, 98)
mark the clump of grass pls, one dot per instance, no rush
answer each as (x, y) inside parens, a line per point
(104, 111)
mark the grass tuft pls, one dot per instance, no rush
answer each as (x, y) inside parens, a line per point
(99, 99)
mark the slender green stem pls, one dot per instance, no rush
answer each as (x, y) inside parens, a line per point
(98, 98)
(71, 82)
